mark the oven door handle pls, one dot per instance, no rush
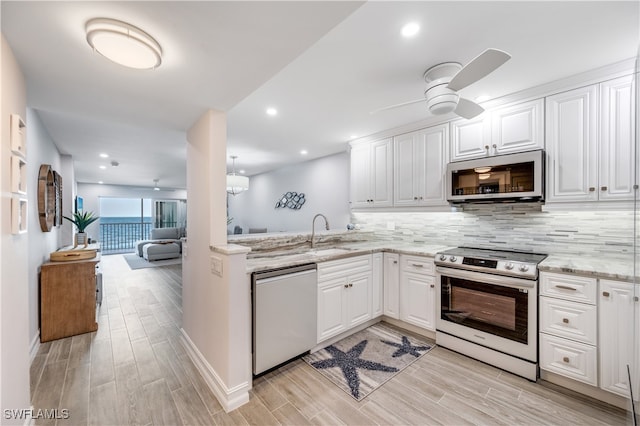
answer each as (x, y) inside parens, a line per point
(486, 278)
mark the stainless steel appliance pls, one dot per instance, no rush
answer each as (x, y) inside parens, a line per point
(488, 306)
(510, 177)
(284, 315)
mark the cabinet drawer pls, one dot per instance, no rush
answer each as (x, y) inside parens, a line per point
(419, 264)
(568, 358)
(568, 287)
(348, 266)
(572, 320)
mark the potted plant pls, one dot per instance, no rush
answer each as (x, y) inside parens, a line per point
(81, 220)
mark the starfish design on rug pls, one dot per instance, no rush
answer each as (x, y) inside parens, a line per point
(406, 348)
(349, 362)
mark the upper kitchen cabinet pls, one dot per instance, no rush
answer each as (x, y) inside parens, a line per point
(584, 163)
(372, 174)
(510, 128)
(420, 160)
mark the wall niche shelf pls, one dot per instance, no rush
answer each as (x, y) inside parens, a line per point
(18, 136)
(18, 175)
(18, 215)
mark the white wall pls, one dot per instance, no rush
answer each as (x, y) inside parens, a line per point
(324, 181)
(14, 285)
(91, 193)
(40, 150)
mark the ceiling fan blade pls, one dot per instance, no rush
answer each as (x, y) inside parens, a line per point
(375, 111)
(468, 109)
(479, 67)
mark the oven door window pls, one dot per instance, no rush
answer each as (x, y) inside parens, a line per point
(494, 309)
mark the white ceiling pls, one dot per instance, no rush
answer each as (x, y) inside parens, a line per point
(323, 65)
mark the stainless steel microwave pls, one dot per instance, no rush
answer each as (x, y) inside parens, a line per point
(510, 177)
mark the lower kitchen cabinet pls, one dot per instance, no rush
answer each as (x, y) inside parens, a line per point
(619, 336)
(377, 285)
(417, 291)
(344, 295)
(392, 285)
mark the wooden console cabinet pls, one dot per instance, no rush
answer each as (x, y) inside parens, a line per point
(68, 298)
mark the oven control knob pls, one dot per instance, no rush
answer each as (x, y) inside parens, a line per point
(524, 268)
(508, 266)
(453, 258)
(443, 257)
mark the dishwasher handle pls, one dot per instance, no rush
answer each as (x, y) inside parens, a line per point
(284, 271)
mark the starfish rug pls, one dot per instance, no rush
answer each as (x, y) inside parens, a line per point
(364, 361)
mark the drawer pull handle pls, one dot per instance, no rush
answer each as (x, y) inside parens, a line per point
(604, 188)
(591, 189)
(605, 294)
(565, 287)
(346, 286)
(566, 359)
(395, 262)
(565, 320)
(417, 265)
(635, 298)
(350, 285)
(433, 286)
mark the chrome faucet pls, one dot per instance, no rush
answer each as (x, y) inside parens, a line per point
(313, 227)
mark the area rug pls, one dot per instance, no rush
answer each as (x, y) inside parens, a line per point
(364, 361)
(136, 262)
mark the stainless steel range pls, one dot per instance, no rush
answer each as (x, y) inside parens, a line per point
(488, 306)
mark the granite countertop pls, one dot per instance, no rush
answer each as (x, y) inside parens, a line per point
(620, 268)
(284, 258)
(586, 265)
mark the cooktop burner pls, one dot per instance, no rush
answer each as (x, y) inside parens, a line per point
(501, 262)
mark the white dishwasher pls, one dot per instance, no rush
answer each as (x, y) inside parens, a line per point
(284, 315)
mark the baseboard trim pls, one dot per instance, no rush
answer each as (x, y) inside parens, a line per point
(229, 398)
(34, 347)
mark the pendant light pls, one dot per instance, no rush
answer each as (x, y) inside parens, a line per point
(235, 183)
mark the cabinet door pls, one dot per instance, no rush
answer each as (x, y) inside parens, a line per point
(617, 336)
(617, 140)
(417, 292)
(382, 173)
(377, 285)
(392, 285)
(517, 128)
(332, 308)
(436, 148)
(409, 167)
(470, 138)
(359, 299)
(361, 176)
(571, 145)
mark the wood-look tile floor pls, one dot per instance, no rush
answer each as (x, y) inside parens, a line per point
(134, 370)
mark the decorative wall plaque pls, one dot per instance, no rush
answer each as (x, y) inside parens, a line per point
(291, 200)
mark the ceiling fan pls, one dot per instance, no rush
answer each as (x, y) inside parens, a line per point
(446, 79)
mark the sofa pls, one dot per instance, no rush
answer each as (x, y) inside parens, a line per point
(161, 236)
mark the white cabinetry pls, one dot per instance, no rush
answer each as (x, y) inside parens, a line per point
(584, 164)
(420, 160)
(417, 291)
(392, 285)
(618, 332)
(344, 295)
(372, 174)
(507, 129)
(568, 326)
(377, 285)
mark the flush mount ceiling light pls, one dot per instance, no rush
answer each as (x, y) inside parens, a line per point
(410, 30)
(482, 169)
(123, 43)
(272, 111)
(235, 183)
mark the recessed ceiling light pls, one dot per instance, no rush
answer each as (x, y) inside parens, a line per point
(104, 155)
(123, 43)
(103, 167)
(241, 172)
(410, 29)
(483, 98)
(272, 111)
(353, 137)
(304, 152)
(100, 182)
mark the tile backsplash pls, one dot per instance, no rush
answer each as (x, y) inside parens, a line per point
(521, 227)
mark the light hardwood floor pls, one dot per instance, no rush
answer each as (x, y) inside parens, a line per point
(134, 370)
